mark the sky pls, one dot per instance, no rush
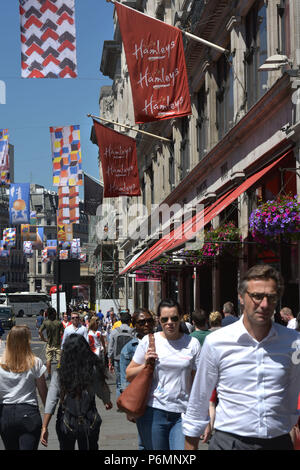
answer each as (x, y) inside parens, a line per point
(32, 105)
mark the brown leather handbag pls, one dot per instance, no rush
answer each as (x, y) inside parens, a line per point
(133, 400)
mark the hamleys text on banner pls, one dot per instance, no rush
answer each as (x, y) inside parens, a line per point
(156, 65)
(119, 162)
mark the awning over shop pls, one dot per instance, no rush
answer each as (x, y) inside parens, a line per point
(136, 256)
(188, 230)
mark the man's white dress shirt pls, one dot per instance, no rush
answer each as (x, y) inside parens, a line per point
(258, 383)
(71, 330)
(292, 324)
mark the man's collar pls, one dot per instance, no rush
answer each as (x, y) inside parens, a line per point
(243, 333)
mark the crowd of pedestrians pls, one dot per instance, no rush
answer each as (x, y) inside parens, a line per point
(230, 381)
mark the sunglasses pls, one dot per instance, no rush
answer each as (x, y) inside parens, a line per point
(259, 296)
(143, 322)
(166, 319)
(75, 318)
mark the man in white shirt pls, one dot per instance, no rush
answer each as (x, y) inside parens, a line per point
(288, 317)
(254, 364)
(75, 328)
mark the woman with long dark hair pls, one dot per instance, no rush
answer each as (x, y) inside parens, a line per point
(79, 377)
(21, 373)
(176, 355)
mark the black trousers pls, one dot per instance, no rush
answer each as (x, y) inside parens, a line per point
(20, 427)
(227, 441)
(67, 441)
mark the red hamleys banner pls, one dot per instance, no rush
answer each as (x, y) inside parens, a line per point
(119, 162)
(156, 65)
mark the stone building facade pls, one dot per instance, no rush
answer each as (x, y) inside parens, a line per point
(245, 114)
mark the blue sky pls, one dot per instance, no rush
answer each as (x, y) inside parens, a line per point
(33, 105)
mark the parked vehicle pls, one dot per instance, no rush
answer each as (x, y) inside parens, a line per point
(7, 317)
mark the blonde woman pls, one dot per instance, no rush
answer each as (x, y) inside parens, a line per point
(215, 321)
(21, 373)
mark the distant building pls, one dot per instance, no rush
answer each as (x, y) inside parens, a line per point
(45, 204)
(14, 268)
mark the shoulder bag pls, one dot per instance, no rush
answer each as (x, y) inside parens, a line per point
(133, 400)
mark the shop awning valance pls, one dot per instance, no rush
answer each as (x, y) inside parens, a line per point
(188, 230)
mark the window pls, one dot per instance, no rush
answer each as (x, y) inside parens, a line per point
(201, 190)
(184, 147)
(171, 166)
(284, 42)
(49, 268)
(39, 267)
(256, 52)
(151, 183)
(224, 101)
(202, 122)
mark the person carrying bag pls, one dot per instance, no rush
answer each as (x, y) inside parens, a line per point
(133, 400)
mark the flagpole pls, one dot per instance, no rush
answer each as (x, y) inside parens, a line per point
(207, 43)
(129, 127)
(191, 36)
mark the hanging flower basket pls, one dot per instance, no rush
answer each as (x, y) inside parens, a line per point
(273, 219)
(226, 239)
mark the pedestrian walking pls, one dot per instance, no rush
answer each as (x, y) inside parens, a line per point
(200, 323)
(75, 383)
(40, 319)
(96, 340)
(288, 318)
(1, 331)
(21, 373)
(54, 330)
(76, 327)
(118, 338)
(215, 321)
(143, 324)
(177, 355)
(253, 365)
(65, 321)
(229, 314)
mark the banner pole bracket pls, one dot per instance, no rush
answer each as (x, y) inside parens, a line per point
(131, 128)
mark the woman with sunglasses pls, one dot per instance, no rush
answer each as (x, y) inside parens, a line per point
(143, 324)
(176, 356)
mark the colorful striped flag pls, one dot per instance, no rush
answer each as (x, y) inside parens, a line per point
(66, 156)
(48, 39)
(4, 157)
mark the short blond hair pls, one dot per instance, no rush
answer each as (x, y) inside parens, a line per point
(215, 319)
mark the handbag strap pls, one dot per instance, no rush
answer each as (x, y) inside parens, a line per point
(152, 342)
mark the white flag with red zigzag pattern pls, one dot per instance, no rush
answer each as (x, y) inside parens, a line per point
(48, 38)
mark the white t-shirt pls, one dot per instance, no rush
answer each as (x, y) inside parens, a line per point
(172, 380)
(20, 387)
(292, 324)
(95, 341)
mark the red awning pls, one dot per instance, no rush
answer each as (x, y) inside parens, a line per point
(187, 231)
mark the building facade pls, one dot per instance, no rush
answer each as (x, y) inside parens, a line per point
(245, 117)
